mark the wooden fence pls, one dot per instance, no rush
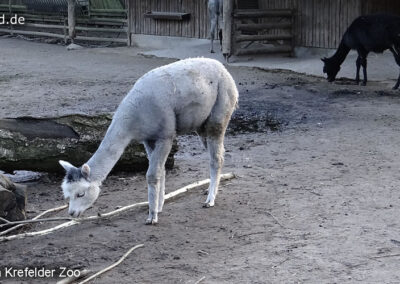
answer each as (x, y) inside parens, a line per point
(45, 20)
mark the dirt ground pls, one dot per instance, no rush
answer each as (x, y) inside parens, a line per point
(315, 200)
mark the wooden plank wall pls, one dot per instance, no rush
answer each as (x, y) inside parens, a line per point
(319, 23)
(196, 27)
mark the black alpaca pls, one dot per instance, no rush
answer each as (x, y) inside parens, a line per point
(374, 33)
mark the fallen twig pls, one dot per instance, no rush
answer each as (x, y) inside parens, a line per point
(113, 265)
(383, 256)
(201, 279)
(113, 213)
(276, 220)
(249, 234)
(5, 221)
(29, 221)
(34, 218)
(72, 279)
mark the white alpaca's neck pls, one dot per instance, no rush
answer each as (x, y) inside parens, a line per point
(108, 153)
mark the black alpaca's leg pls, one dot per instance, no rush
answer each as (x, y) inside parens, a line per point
(364, 66)
(395, 87)
(362, 54)
(358, 65)
(396, 56)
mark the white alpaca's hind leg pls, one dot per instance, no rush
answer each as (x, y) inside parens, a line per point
(154, 174)
(162, 192)
(216, 149)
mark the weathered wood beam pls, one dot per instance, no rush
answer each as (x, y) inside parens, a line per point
(227, 49)
(71, 20)
(33, 33)
(37, 144)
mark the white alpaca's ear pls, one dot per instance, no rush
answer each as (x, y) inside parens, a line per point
(67, 166)
(85, 170)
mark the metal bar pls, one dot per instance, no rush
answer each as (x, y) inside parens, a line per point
(104, 39)
(258, 27)
(262, 13)
(263, 37)
(32, 33)
(264, 50)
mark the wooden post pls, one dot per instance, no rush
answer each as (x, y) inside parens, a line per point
(10, 12)
(227, 29)
(71, 20)
(129, 22)
(65, 31)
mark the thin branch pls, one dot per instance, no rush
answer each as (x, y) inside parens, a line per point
(113, 213)
(34, 218)
(276, 220)
(201, 279)
(55, 219)
(250, 234)
(4, 221)
(113, 265)
(383, 256)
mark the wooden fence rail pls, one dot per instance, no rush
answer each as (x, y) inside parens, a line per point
(101, 25)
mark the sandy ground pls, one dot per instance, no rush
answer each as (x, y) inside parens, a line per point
(381, 67)
(315, 202)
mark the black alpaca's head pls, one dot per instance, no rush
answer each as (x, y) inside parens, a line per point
(330, 68)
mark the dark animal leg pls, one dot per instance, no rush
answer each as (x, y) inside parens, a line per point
(220, 37)
(364, 66)
(396, 54)
(358, 65)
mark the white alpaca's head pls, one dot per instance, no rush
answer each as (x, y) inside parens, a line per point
(78, 188)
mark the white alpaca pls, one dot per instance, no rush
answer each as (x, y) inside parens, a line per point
(189, 95)
(215, 9)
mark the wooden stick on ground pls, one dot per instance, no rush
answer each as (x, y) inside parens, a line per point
(201, 279)
(5, 221)
(34, 218)
(113, 265)
(113, 213)
(30, 221)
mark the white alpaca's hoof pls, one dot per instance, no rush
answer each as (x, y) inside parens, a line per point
(208, 204)
(151, 221)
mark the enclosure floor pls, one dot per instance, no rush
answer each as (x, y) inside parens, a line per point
(315, 202)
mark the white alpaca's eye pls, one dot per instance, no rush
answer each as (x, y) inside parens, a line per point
(80, 195)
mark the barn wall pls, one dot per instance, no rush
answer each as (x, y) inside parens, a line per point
(319, 23)
(197, 26)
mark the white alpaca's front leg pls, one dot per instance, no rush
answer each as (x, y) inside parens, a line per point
(156, 178)
(153, 183)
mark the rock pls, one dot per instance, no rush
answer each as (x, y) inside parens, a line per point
(74, 46)
(12, 200)
(36, 144)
